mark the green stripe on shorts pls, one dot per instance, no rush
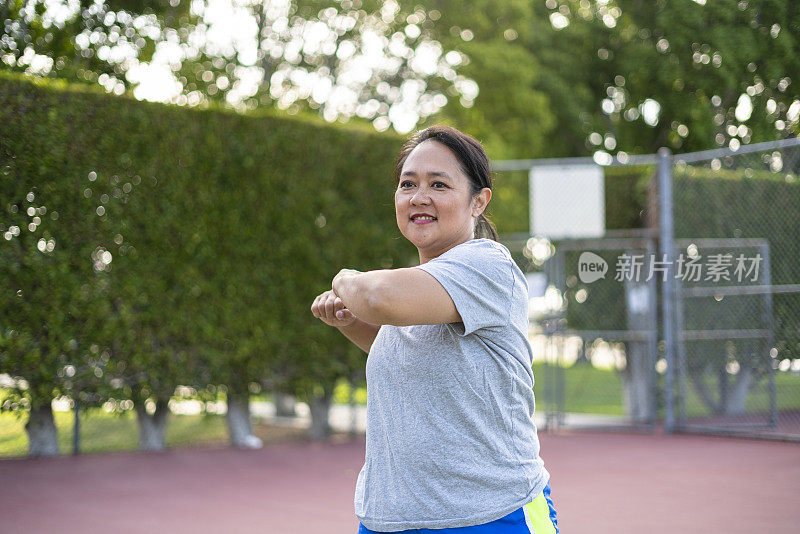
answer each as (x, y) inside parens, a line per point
(537, 516)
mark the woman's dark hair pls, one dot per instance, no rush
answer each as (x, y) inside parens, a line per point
(470, 154)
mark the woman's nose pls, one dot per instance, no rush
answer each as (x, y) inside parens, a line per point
(420, 197)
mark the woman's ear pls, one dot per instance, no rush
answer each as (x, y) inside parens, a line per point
(480, 201)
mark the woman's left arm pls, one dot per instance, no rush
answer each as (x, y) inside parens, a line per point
(398, 297)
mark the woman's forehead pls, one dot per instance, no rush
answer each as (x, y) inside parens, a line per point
(432, 157)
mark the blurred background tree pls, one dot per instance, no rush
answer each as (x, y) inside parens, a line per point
(89, 42)
(625, 75)
(530, 79)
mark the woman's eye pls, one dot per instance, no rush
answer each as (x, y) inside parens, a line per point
(436, 185)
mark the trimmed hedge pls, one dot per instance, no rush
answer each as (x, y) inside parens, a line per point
(179, 246)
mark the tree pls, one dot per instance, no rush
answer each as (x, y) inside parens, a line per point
(86, 41)
(691, 75)
(531, 79)
(627, 75)
(347, 59)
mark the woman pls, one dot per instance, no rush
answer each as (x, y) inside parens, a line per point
(451, 446)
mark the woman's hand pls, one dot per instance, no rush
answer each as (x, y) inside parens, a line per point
(342, 276)
(330, 310)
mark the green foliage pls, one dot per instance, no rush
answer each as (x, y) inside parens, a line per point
(628, 192)
(73, 40)
(49, 311)
(548, 74)
(285, 62)
(188, 244)
(508, 208)
(678, 53)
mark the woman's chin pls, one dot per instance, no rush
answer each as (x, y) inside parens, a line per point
(416, 240)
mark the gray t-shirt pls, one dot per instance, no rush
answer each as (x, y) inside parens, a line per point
(450, 439)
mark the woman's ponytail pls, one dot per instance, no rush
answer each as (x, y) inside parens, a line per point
(485, 228)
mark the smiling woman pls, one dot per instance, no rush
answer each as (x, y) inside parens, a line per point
(450, 438)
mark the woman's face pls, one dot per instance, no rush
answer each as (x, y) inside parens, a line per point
(432, 183)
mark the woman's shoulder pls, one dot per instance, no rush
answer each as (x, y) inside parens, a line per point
(481, 245)
(491, 255)
(485, 256)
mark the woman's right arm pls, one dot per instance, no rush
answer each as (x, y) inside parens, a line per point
(360, 333)
(329, 308)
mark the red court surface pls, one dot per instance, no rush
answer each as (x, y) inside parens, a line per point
(602, 483)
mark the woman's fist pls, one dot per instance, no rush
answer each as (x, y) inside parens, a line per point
(330, 309)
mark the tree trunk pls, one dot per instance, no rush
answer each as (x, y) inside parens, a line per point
(583, 356)
(736, 400)
(238, 417)
(703, 391)
(42, 432)
(152, 428)
(285, 404)
(637, 395)
(732, 401)
(722, 380)
(320, 426)
(637, 376)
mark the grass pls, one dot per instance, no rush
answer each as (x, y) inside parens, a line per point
(106, 432)
(341, 394)
(787, 386)
(587, 389)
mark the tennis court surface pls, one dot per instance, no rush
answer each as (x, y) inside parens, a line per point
(602, 483)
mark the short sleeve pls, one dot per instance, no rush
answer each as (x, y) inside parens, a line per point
(479, 278)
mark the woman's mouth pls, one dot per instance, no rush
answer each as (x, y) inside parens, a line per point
(423, 219)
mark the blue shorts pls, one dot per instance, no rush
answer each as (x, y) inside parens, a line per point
(536, 517)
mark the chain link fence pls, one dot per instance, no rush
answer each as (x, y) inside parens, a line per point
(737, 256)
(595, 336)
(695, 320)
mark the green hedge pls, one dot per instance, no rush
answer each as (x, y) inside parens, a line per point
(221, 229)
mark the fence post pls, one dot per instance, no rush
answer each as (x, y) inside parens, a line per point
(666, 249)
(76, 433)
